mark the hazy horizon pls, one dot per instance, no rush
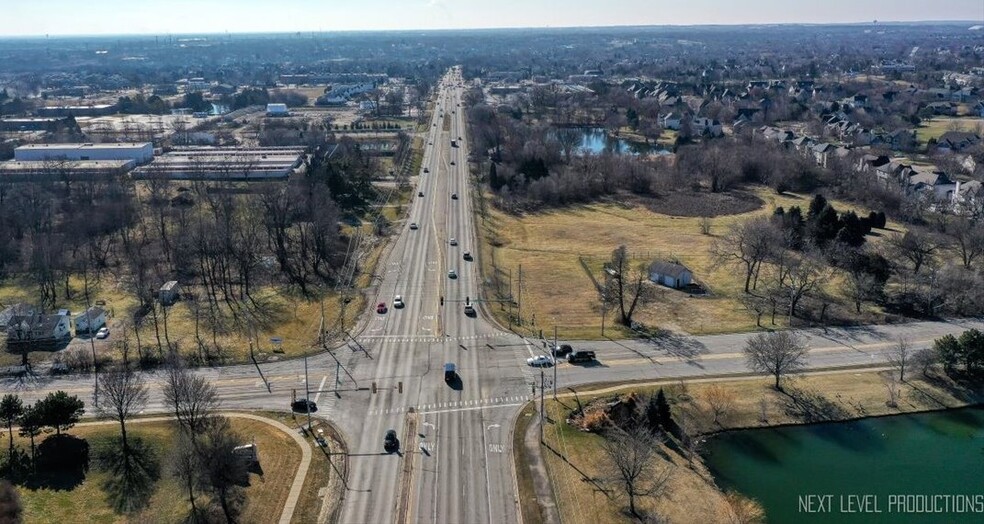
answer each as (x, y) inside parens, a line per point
(158, 17)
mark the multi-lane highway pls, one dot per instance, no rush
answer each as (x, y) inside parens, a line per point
(454, 462)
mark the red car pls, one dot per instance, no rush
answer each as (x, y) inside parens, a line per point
(381, 307)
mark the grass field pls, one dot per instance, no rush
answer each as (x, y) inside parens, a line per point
(557, 289)
(291, 317)
(574, 456)
(266, 493)
(936, 126)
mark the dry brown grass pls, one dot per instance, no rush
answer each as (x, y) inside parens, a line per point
(265, 495)
(558, 291)
(577, 456)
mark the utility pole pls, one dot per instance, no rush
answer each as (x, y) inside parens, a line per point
(543, 417)
(307, 393)
(92, 341)
(520, 297)
(554, 351)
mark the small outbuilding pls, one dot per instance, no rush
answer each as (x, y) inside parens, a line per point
(670, 274)
(169, 293)
(89, 321)
(277, 110)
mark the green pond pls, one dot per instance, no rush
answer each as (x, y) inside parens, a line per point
(924, 468)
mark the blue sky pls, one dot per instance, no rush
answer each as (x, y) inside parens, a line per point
(61, 17)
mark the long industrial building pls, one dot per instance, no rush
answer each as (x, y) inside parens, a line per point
(58, 170)
(139, 153)
(219, 163)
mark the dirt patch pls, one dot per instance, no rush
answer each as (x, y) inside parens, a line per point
(702, 204)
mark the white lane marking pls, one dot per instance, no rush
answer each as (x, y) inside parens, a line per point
(320, 387)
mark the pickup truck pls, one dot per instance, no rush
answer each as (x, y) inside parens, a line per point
(581, 356)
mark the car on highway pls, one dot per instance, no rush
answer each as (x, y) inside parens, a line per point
(413, 225)
(581, 356)
(449, 372)
(454, 241)
(454, 196)
(452, 162)
(562, 350)
(469, 310)
(420, 193)
(426, 170)
(381, 308)
(452, 274)
(303, 405)
(390, 442)
(539, 361)
(467, 255)
(102, 333)
(398, 301)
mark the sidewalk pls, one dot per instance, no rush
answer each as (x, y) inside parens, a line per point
(541, 480)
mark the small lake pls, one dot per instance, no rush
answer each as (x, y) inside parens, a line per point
(887, 469)
(596, 141)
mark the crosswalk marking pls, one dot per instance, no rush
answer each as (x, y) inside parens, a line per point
(512, 400)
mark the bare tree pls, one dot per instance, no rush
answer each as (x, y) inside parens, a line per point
(968, 240)
(123, 394)
(193, 399)
(186, 467)
(916, 247)
(720, 401)
(746, 244)
(627, 287)
(892, 387)
(779, 353)
(632, 465)
(705, 225)
(900, 356)
(223, 472)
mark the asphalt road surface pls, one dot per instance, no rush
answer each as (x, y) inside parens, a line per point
(454, 462)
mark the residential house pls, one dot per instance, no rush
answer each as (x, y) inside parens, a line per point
(90, 320)
(707, 126)
(932, 184)
(968, 195)
(19, 309)
(37, 331)
(957, 140)
(869, 163)
(821, 153)
(673, 121)
(942, 108)
(670, 275)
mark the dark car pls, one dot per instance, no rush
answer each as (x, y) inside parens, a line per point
(420, 193)
(304, 405)
(381, 308)
(390, 442)
(562, 350)
(454, 196)
(449, 372)
(581, 356)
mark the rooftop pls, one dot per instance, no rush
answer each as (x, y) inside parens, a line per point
(115, 145)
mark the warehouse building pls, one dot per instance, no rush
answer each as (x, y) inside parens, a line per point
(63, 111)
(222, 163)
(139, 153)
(56, 170)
